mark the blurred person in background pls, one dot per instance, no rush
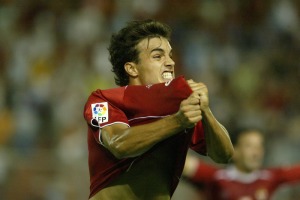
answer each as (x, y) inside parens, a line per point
(140, 132)
(244, 179)
(45, 45)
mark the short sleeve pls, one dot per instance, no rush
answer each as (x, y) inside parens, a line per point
(99, 112)
(288, 174)
(204, 173)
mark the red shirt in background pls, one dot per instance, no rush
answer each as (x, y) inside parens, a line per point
(231, 184)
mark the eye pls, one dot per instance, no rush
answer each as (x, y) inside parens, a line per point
(157, 56)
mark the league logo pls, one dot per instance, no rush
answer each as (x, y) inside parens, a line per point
(100, 112)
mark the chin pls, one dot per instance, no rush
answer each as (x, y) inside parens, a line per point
(255, 167)
(167, 80)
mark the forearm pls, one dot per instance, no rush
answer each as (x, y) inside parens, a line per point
(134, 141)
(219, 146)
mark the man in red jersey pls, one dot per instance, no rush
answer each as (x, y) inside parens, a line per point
(243, 180)
(139, 133)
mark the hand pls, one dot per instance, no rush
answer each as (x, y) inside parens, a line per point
(189, 112)
(201, 92)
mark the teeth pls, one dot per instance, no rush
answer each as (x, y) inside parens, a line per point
(167, 75)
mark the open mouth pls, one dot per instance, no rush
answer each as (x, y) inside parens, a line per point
(167, 75)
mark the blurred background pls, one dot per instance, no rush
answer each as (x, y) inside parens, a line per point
(54, 53)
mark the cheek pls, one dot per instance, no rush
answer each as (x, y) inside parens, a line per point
(153, 74)
(246, 154)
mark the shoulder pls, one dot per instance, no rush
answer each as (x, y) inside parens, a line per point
(113, 95)
(112, 92)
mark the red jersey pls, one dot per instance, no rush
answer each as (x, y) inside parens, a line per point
(135, 105)
(231, 184)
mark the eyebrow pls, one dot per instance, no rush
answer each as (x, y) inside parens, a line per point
(159, 49)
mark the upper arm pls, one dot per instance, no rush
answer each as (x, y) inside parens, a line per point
(289, 174)
(109, 133)
(190, 167)
(99, 113)
(204, 172)
(103, 116)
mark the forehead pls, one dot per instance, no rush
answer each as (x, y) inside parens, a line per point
(250, 137)
(149, 44)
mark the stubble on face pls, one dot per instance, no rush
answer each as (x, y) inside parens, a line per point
(155, 63)
(249, 152)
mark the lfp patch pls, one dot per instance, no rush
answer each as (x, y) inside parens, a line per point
(100, 112)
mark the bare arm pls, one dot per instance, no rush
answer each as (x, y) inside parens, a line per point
(217, 139)
(190, 166)
(133, 141)
(219, 146)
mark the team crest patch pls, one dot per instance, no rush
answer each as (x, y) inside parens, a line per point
(100, 112)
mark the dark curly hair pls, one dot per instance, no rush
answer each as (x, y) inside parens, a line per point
(123, 44)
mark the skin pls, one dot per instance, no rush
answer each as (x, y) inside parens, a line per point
(146, 180)
(248, 154)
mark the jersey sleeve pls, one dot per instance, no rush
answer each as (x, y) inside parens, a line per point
(289, 174)
(204, 173)
(198, 139)
(99, 112)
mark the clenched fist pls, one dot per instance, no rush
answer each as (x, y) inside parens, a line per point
(201, 92)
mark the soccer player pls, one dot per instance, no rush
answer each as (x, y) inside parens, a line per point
(244, 179)
(139, 133)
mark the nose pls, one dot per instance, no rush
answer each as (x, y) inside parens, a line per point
(169, 62)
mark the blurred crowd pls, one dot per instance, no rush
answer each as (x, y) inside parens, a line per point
(54, 53)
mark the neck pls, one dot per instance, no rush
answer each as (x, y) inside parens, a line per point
(244, 169)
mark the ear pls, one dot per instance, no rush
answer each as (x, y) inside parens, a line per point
(131, 69)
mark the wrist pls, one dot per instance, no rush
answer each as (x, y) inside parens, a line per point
(205, 110)
(181, 121)
(178, 119)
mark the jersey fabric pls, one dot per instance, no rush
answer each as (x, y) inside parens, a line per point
(136, 105)
(231, 184)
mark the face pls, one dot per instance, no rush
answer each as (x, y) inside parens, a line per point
(249, 152)
(155, 62)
